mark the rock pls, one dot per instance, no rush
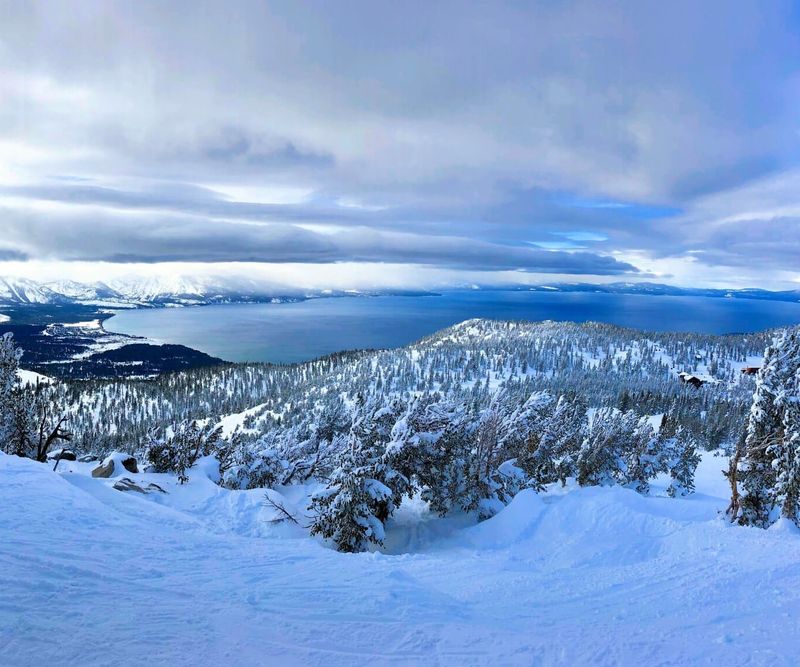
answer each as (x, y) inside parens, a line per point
(114, 463)
(87, 458)
(127, 484)
(104, 470)
(65, 454)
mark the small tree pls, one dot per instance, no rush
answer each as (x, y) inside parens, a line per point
(365, 487)
(257, 465)
(29, 425)
(601, 460)
(682, 462)
(178, 449)
(644, 452)
(549, 455)
(351, 511)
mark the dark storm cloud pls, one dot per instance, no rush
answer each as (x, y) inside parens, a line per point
(491, 125)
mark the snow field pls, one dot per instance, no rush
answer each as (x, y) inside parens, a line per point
(199, 576)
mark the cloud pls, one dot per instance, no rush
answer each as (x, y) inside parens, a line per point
(440, 133)
(127, 238)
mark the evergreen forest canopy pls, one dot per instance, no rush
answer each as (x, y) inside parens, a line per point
(465, 418)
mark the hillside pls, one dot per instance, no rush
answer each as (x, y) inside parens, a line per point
(607, 365)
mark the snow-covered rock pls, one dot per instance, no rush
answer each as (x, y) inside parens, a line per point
(115, 464)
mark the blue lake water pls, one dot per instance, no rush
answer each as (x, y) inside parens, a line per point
(300, 331)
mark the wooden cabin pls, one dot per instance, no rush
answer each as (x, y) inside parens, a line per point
(751, 370)
(688, 378)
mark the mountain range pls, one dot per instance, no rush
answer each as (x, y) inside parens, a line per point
(142, 292)
(138, 291)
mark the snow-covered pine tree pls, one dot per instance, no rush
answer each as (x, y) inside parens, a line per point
(21, 438)
(645, 453)
(364, 488)
(9, 383)
(550, 455)
(429, 447)
(769, 468)
(349, 510)
(682, 459)
(601, 460)
(178, 448)
(256, 465)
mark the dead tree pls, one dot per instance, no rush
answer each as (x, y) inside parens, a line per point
(49, 435)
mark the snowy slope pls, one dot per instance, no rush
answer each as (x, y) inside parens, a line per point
(32, 378)
(22, 290)
(94, 576)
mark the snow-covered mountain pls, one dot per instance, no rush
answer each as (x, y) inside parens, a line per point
(23, 290)
(142, 291)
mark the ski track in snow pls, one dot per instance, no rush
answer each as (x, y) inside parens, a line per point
(93, 576)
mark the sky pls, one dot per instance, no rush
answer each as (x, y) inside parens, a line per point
(360, 144)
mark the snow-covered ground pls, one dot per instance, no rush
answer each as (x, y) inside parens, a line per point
(32, 378)
(199, 576)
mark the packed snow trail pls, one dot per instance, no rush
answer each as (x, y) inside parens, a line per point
(94, 576)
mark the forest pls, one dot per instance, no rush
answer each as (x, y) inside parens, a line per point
(463, 419)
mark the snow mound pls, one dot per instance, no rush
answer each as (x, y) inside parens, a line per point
(591, 526)
(516, 523)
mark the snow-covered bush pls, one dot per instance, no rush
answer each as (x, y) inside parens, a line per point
(601, 460)
(364, 489)
(257, 465)
(448, 455)
(619, 448)
(428, 444)
(178, 448)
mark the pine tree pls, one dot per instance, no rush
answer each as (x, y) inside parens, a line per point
(682, 461)
(365, 488)
(644, 452)
(178, 449)
(428, 446)
(9, 388)
(21, 429)
(769, 470)
(550, 455)
(349, 511)
(601, 459)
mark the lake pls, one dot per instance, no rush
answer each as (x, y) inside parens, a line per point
(305, 330)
